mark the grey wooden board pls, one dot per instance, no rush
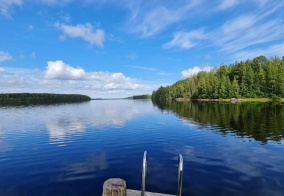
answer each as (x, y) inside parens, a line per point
(138, 193)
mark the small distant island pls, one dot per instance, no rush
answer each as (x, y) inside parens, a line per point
(40, 98)
(257, 80)
(140, 97)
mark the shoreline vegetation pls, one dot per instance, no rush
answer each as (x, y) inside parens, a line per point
(257, 80)
(233, 100)
(140, 97)
(40, 98)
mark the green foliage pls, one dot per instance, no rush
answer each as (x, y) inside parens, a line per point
(257, 78)
(40, 98)
(276, 98)
(140, 97)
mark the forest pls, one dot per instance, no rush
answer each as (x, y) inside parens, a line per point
(257, 78)
(140, 97)
(40, 98)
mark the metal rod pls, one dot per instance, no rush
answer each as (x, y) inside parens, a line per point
(180, 172)
(144, 173)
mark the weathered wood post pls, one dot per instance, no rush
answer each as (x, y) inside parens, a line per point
(114, 187)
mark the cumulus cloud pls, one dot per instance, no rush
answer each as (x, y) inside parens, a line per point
(83, 31)
(185, 40)
(192, 71)
(5, 56)
(60, 70)
(59, 77)
(5, 6)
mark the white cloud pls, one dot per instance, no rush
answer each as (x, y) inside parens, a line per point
(58, 70)
(59, 77)
(258, 28)
(2, 70)
(155, 21)
(257, 34)
(238, 24)
(262, 2)
(61, 71)
(5, 56)
(149, 19)
(226, 4)
(5, 6)
(85, 32)
(185, 40)
(192, 71)
(274, 50)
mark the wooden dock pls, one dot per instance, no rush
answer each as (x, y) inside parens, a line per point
(117, 187)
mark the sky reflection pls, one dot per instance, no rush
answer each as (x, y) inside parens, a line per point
(65, 122)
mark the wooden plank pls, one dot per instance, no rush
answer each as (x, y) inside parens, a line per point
(138, 193)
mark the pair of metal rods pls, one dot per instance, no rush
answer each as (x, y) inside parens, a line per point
(144, 172)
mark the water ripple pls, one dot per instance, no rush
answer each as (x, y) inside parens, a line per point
(73, 149)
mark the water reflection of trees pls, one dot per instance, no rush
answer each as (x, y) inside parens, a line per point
(261, 121)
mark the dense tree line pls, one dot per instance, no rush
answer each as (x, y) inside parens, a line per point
(37, 98)
(140, 97)
(261, 121)
(257, 78)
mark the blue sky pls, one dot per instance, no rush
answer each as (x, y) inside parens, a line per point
(110, 48)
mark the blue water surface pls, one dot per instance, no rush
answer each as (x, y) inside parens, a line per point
(71, 149)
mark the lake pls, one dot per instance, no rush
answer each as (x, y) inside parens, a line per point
(71, 149)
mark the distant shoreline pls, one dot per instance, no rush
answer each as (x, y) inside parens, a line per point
(40, 98)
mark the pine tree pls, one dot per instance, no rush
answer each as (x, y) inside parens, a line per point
(235, 89)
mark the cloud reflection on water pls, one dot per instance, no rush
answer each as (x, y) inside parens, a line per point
(65, 122)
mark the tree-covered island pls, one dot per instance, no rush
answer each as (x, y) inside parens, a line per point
(41, 98)
(140, 97)
(257, 78)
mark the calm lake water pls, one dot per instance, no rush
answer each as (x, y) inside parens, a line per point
(71, 149)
